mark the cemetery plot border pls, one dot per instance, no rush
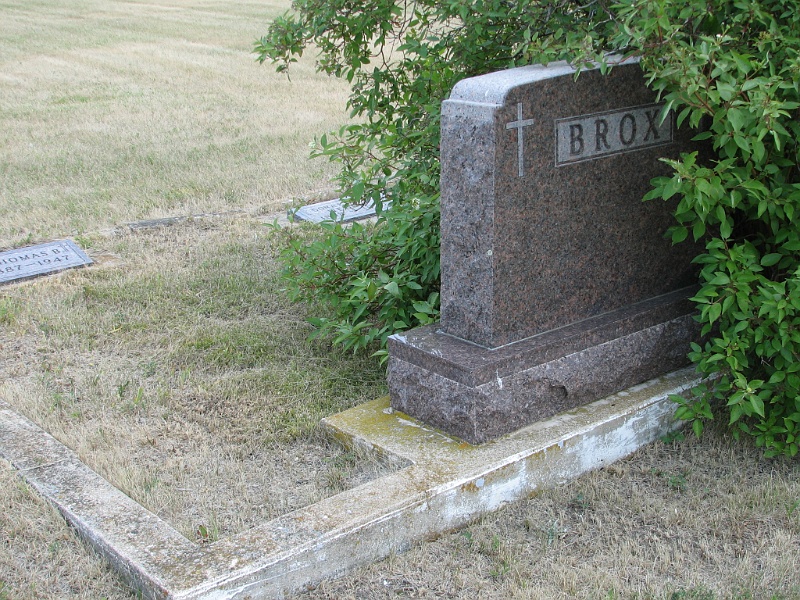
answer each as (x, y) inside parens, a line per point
(446, 485)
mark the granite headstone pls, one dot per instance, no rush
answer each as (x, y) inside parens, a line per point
(558, 286)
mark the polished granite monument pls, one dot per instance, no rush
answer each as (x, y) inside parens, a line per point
(558, 285)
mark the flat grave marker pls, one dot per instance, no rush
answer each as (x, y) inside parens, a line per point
(41, 259)
(558, 285)
(321, 212)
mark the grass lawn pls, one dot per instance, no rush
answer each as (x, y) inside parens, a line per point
(176, 368)
(113, 111)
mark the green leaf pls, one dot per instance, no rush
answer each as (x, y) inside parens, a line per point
(777, 377)
(714, 312)
(720, 279)
(698, 229)
(736, 117)
(744, 65)
(679, 234)
(725, 229)
(393, 289)
(758, 405)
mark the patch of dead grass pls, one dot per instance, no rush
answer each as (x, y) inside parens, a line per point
(179, 374)
(697, 519)
(40, 557)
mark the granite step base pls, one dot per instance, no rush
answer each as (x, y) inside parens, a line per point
(479, 394)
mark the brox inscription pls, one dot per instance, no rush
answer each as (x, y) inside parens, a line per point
(41, 259)
(587, 137)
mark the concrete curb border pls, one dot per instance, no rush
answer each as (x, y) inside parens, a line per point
(444, 484)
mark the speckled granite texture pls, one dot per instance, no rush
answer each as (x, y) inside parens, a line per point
(558, 286)
(478, 394)
(523, 255)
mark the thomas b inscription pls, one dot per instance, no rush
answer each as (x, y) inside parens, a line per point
(22, 263)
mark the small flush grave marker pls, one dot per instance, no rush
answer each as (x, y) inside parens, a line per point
(334, 210)
(42, 259)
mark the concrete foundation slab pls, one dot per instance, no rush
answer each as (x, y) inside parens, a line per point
(444, 484)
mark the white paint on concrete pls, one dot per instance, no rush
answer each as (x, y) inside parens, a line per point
(445, 484)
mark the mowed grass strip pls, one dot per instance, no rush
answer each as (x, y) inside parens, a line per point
(115, 111)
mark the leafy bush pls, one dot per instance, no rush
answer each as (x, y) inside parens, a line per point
(737, 69)
(362, 276)
(730, 66)
(401, 61)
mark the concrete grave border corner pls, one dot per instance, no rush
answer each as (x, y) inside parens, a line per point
(444, 484)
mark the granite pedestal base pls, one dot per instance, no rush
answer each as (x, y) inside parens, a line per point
(478, 394)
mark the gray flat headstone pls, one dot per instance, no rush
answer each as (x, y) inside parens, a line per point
(333, 210)
(558, 285)
(155, 223)
(41, 259)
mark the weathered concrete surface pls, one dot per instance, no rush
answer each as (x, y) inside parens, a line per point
(446, 484)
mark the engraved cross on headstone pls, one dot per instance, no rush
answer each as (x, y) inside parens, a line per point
(518, 125)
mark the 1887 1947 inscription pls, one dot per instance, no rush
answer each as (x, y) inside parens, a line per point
(587, 137)
(41, 259)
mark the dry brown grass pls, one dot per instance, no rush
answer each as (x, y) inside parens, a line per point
(40, 558)
(175, 367)
(176, 370)
(114, 111)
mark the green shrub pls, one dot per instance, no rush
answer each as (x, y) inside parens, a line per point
(736, 70)
(373, 280)
(401, 61)
(728, 68)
